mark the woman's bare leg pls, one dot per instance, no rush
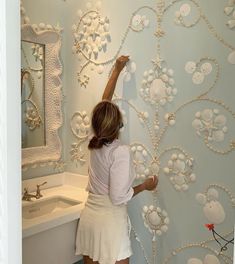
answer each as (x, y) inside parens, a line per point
(88, 260)
(123, 261)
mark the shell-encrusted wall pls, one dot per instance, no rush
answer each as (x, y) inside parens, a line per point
(177, 99)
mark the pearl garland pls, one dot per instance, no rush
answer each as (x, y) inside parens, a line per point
(219, 186)
(202, 16)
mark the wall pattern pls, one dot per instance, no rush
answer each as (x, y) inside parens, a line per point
(177, 100)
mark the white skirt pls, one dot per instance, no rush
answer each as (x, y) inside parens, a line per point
(103, 231)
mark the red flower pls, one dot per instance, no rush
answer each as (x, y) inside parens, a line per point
(210, 226)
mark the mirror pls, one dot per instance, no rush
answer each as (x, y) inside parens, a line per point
(33, 94)
(41, 96)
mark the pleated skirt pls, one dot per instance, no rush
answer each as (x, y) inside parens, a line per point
(103, 231)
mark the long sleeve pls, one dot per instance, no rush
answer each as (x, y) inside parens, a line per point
(121, 176)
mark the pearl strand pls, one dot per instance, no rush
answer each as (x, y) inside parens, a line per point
(212, 30)
(140, 243)
(215, 185)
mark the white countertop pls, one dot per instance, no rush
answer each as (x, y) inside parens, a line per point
(71, 186)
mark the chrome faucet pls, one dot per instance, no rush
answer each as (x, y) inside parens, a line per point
(27, 196)
(38, 191)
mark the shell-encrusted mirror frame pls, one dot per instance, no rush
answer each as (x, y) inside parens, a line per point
(51, 152)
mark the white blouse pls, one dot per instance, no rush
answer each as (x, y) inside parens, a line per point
(111, 172)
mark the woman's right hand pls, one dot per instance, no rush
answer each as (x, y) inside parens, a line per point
(151, 183)
(121, 63)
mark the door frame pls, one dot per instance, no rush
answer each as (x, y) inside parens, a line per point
(10, 134)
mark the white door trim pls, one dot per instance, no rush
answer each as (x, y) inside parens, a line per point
(10, 133)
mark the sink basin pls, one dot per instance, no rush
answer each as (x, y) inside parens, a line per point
(47, 206)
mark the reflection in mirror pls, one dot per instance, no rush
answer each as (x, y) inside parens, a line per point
(41, 96)
(33, 94)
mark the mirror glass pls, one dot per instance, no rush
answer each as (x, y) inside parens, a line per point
(33, 94)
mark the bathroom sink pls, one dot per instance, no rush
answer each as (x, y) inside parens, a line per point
(47, 206)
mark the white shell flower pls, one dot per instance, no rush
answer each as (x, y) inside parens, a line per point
(199, 72)
(210, 124)
(190, 67)
(141, 161)
(158, 86)
(206, 68)
(139, 22)
(185, 10)
(229, 10)
(214, 212)
(80, 124)
(180, 171)
(212, 208)
(198, 78)
(155, 219)
(92, 34)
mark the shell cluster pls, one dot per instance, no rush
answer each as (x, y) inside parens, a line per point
(179, 168)
(199, 72)
(229, 10)
(155, 219)
(212, 208)
(139, 22)
(184, 11)
(91, 35)
(210, 124)
(158, 86)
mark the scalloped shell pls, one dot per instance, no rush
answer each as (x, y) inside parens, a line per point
(212, 194)
(220, 120)
(179, 165)
(198, 78)
(207, 114)
(185, 10)
(136, 20)
(194, 261)
(211, 259)
(197, 124)
(218, 136)
(214, 212)
(154, 218)
(201, 198)
(231, 57)
(190, 67)
(206, 68)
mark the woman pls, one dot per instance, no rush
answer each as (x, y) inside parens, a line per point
(103, 231)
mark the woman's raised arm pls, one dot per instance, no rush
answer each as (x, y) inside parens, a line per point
(110, 87)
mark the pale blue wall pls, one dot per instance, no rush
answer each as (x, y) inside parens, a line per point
(179, 46)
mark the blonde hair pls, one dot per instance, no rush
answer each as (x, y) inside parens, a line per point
(106, 123)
